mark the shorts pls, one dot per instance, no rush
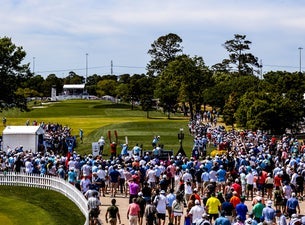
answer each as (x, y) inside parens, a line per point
(198, 184)
(161, 216)
(249, 187)
(178, 213)
(94, 213)
(103, 184)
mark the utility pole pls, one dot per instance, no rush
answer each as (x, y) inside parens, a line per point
(300, 49)
(86, 68)
(33, 65)
(111, 67)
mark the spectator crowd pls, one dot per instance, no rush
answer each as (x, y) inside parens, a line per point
(265, 171)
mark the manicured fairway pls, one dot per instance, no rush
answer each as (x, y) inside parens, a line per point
(96, 118)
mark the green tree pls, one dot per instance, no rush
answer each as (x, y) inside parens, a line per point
(12, 74)
(240, 59)
(164, 50)
(106, 87)
(73, 78)
(52, 81)
(35, 83)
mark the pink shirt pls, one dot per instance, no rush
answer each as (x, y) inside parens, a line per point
(133, 209)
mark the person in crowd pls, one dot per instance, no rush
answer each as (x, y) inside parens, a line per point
(213, 207)
(222, 220)
(142, 203)
(93, 207)
(292, 205)
(177, 209)
(269, 213)
(196, 212)
(133, 212)
(161, 203)
(150, 213)
(171, 197)
(113, 212)
(242, 209)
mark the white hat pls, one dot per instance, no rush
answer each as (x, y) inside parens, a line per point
(162, 192)
(140, 194)
(269, 203)
(197, 202)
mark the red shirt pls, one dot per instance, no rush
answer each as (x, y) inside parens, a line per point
(237, 188)
(277, 181)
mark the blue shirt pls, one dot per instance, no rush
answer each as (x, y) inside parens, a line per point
(222, 221)
(268, 214)
(241, 210)
(221, 175)
(292, 203)
(170, 198)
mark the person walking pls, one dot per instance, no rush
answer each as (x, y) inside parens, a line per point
(113, 212)
(213, 206)
(150, 213)
(196, 212)
(269, 213)
(133, 212)
(292, 205)
(161, 202)
(242, 209)
(93, 207)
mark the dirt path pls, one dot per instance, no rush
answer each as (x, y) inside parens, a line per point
(122, 204)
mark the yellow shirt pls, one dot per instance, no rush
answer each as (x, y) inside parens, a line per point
(213, 205)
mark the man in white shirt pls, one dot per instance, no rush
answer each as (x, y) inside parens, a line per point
(151, 177)
(161, 202)
(250, 182)
(196, 212)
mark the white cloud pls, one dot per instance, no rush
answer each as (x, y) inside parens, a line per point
(59, 33)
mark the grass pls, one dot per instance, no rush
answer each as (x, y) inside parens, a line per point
(34, 206)
(96, 118)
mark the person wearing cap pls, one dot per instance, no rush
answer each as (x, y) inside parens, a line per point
(238, 220)
(164, 182)
(204, 220)
(171, 197)
(196, 212)
(93, 207)
(222, 220)
(257, 209)
(142, 203)
(113, 149)
(269, 213)
(72, 176)
(292, 205)
(161, 203)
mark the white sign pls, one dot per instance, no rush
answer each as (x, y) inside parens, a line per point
(95, 149)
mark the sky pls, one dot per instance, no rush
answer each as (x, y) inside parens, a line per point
(85, 36)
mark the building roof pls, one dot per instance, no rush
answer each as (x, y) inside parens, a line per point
(23, 130)
(74, 86)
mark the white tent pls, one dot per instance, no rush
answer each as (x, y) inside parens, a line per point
(30, 137)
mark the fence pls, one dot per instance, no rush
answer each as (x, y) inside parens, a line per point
(49, 183)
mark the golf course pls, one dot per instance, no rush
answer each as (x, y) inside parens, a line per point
(31, 206)
(96, 118)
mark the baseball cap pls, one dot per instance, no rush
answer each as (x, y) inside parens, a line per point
(162, 192)
(197, 202)
(269, 203)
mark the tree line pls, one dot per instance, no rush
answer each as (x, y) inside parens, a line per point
(234, 87)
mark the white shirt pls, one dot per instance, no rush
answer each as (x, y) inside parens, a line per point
(187, 177)
(250, 178)
(196, 212)
(161, 201)
(151, 176)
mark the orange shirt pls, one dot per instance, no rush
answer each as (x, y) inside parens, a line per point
(235, 200)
